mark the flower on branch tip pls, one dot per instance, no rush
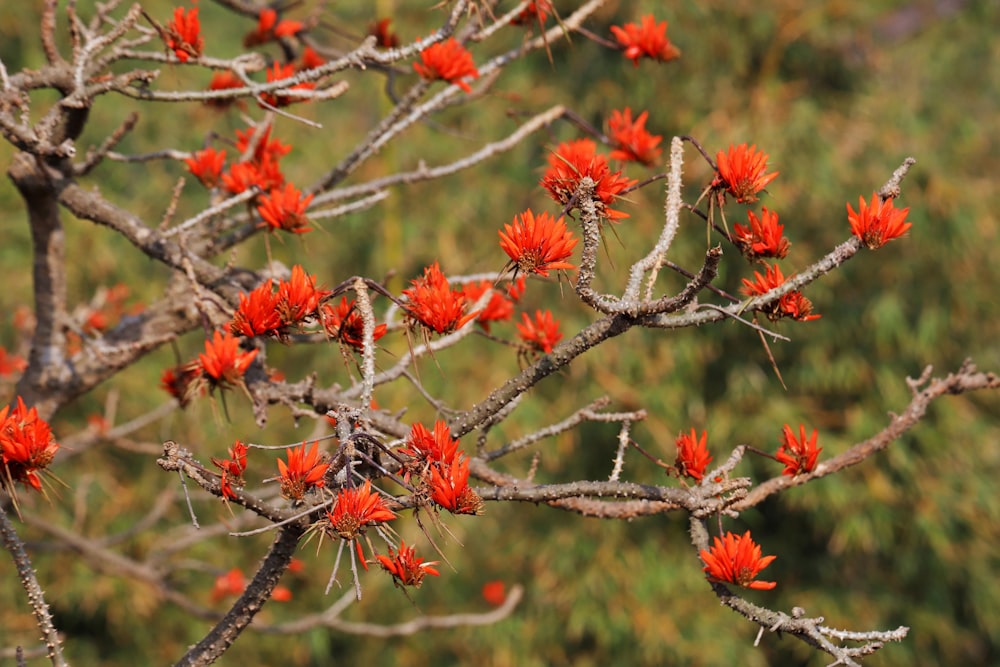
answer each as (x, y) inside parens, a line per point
(304, 471)
(449, 61)
(183, 34)
(632, 140)
(538, 243)
(223, 363)
(648, 39)
(405, 567)
(792, 305)
(736, 559)
(26, 446)
(570, 162)
(279, 72)
(450, 488)
(797, 454)
(740, 172)
(206, 165)
(534, 14)
(264, 175)
(285, 209)
(225, 80)
(298, 298)
(541, 333)
(499, 308)
(878, 223)
(357, 508)
(384, 37)
(425, 446)
(232, 469)
(433, 303)
(257, 314)
(344, 323)
(692, 455)
(763, 238)
(270, 28)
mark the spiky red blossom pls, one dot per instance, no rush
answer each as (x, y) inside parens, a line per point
(183, 34)
(264, 147)
(206, 165)
(573, 160)
(223, 363)
(304, 471)
(447, 60)
(741, 173)
(436, 447)
(538, 244)
(357, 508)
(258, 313)
(534, 14)
(692, 455)
(344, 324)
(310, 59)
(278, 72)
(763, 238)
(10, 363)
(433, 303)
(384, 37)
(405, 567)
(878, 223)
(270, 28)
(285, 209)
(649, 40)
(792, 305)
(499, 308)
(797, 454)
(298, 297)
(736, 559)
(242, 176)
(225, 80)
(450, 488)
(232, 469)
(542, 333)
(632, 140)
(26, 446)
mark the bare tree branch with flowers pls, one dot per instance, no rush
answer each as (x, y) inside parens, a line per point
(370, 466)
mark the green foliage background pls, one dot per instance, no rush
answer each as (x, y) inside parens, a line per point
(838, 94)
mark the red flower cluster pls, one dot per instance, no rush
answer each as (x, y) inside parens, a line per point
(232, 469)
(266, 312)
(225, 80)
(303, 472)
(648, 39)
(206, 165)
(537, 244)
(222, 363)
(259, 169)
(447, 60)
(499, 308)
(442, 467)
(233, 583)
(344, 323)
(354, 510)
(692, 455)
(878, 223)
(574, 160)
(736, 560)
(26, 447)
(183, 34)
(541, 333)
(405, 567)
(741, 173)
(433, 303)
(270, 28)
(798, 455)
(384, 37)
(763, 238)
(632, 140)
(792, 305)
(277, 72)
(450, 487)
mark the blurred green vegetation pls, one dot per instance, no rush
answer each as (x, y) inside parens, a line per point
(838, 94)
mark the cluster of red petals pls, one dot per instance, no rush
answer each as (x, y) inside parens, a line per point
(574, 160)
(270, 28)
(405, 567)
(450, 487)
(233, 583)
(498, 309)
(310, 59)
(355, 509)
(433, 303)
(223, 363)
(259, 166)
(534, 14)
(298, 297)
(232, 469)
(264, 147)
(797, 454)
(26, 446)
(878, 223)
(692, 455)
(494, 592)
(763, 238)
(741, 172)
(206, 165)
(649, 40)
(279, 72)
(431, 447)
(344, 323)
(541, 332)
(257, 314)
(736, 559)
(384, 37)
(225, 80)
(538, 244)
(183, 34)
(304, 471)
(285, 209)
(264, 311)
(792, 305)
(449, 61)
(10, 363)
(632, 140)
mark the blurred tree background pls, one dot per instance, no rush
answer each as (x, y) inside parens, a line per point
(838, 93)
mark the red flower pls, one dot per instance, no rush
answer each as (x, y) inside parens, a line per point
(310, 59)
(225, 80)
(181, 381)
(692, 455)
(763, 238)
(449, 61)
(245, 175)
(542, 333)
(230, 583)
(264, 147)
(269, 28)
(206, 165)
(632, 139)
(384, 37)
(535, 13)
(222, 362)
(792, 305)
(736, 560)
(798, 455)
(405, 567)
(434, 304)
(344, 324)
(285, 209)
(741, 173)
(183, 34)
(437, 447)
(537, 244)
(232, 469)
(494, 593)
(355, 509)
(570, 162)
(649, 39)
(878, 223)
(298, 298)
(497, 309)
(450, 488)
(304, 471)
(279, 72)
(10, 363)
(26, 446)
(258, 313)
